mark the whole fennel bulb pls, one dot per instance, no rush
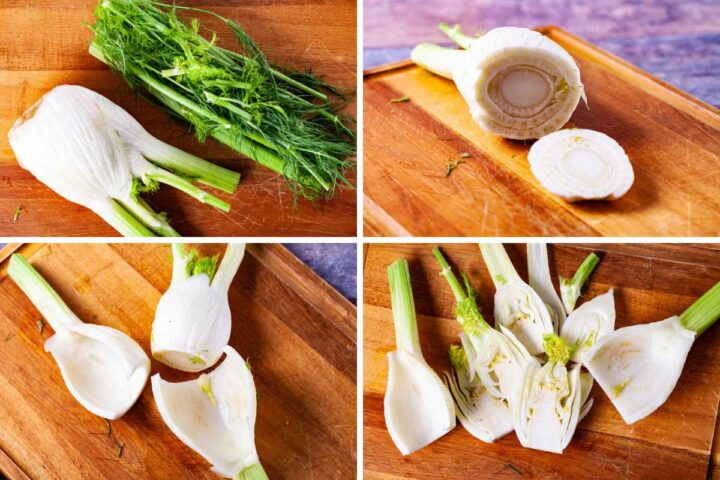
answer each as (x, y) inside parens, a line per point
(193, 321)
(92, 152)
(517, 83)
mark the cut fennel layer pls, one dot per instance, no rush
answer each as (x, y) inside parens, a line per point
(540, 280)
(418, 407)
(103, 368)
(193, 320)
(215, 416)
(517, 83)
(589, 323)
(579, 164)
(93, 153)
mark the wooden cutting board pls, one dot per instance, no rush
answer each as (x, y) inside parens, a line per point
(672, 139)
(296, 331)
(45, 44)
(651, 282)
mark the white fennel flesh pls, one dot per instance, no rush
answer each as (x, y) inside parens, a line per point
(540, 280)
(589, 323)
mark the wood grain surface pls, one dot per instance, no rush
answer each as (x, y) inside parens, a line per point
(44, 44)
(651, 282)
(672, 139)
(296, 331)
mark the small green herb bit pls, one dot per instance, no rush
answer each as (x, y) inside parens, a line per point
(18, 211)
(40, 325)
(452, 165)
(464, 155)
(287, 121)
(400, 100)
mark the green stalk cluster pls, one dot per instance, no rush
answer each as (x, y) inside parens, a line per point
(286, 121)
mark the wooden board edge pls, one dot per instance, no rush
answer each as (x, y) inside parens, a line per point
(308, 285)
(8, 250)
(378, 223)
(10, 468)
(27, 250)
(675, 97)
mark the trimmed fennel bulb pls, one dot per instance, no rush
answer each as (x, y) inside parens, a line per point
(517, 306)
(92, 152)
(418, 406)
(104, 369)
(517, 83)
(552, 400)
(193, 321)
(488, 367)
(578, 164)
(540, 280)
(589, 323)
(638, 366)
(571, 288)
(215, 416)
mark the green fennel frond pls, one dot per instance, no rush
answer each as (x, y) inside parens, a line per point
(196, 264)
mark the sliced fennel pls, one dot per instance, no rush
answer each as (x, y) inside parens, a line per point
(540, 280)
(589, 323)
(517, 306)
(570, 289)
(193, 321)
(488, 366)
(215, 416)
(104, 369)
(92, 152)
(518, 83)
(552, 400)
(578, 164)
(638, 366)
(418, 406)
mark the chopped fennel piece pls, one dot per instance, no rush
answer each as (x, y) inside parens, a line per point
(578, 164)
(517, 306)
(487, 367)
(517, 83)
(418, 405)
(552, 400)
(215, 416)
(570, 289)
(540, 280)
(590, 322)
(193, 321)
(93, 153)
(638, 366)
(104, 369)
(486, 417)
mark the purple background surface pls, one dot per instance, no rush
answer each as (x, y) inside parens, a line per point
(677, 41)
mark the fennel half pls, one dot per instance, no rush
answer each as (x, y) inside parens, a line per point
(193, 321)
(92, 152)
(517, 306)
(104, 369)
(488, 367)
(418, 406)
(517, 83)
(638, 366)
(215, 416)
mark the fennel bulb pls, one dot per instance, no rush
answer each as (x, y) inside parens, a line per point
(571, 288)
(517, 306)
(418, 405)
(193, 321)
(215, 416)
(540, 281)
(590, 322)
(638, 366)
(92, 152)
(104, 369)
(552, 400)
(517, 83)
(578, 164)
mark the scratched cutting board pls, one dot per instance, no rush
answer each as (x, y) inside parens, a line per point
(44, 44)
(651, 282)
(672, 139)
(297, 332)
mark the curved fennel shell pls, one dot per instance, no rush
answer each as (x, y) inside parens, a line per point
(215, 414)
(638, 366)
(418, 407)
(104, 369)
(521, 310)
(494, 73)
(580, 164)
(588, 323)
(539, 280)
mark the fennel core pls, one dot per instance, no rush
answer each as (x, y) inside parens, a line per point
(286, 121)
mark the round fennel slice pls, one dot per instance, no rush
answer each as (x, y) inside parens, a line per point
(579, 164)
